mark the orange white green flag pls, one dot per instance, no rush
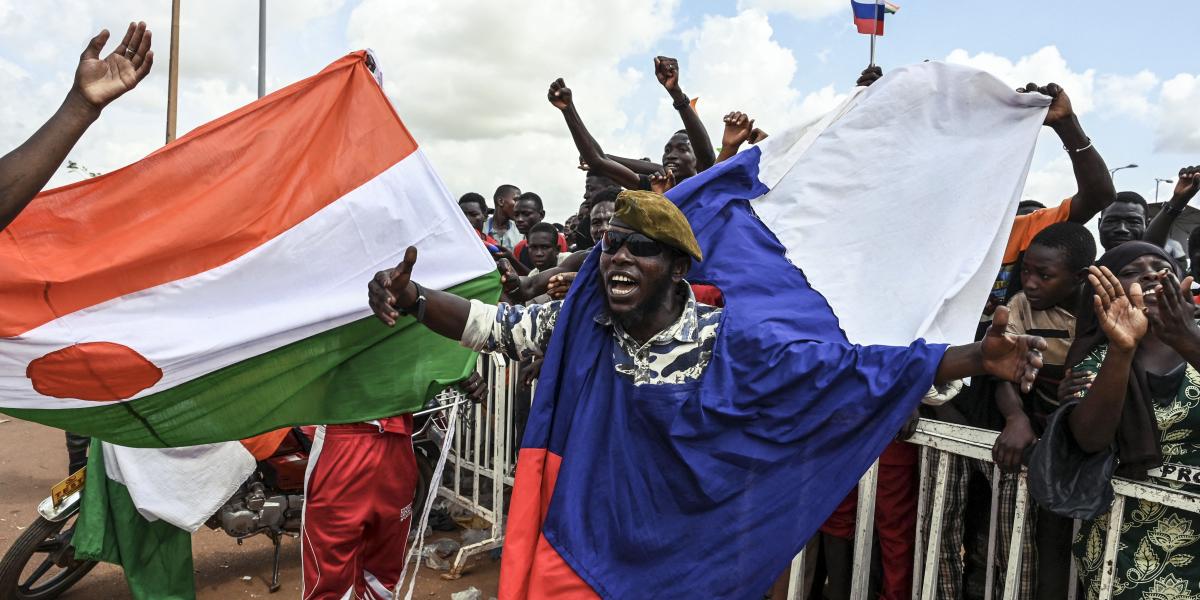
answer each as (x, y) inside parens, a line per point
(216, 289)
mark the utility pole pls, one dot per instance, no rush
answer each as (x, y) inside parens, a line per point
(262, 48)
(173, 74)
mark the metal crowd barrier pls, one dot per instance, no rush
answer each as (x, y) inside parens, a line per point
(480, 465)
(941, 441)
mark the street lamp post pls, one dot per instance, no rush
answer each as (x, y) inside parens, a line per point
(1157, 182)
(1113, 172)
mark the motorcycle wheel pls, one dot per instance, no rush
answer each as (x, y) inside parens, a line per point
(30, 570)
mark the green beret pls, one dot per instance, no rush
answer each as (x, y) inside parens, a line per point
(657, 218)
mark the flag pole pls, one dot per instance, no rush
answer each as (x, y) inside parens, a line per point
(173, 73)
(262, 48)
(875, 28)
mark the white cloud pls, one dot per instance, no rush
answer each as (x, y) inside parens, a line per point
(484, 66)
(1179, 124)
(801, 9)
(1052, 181)
(715, 70)
(470, 77)
(1046, 65)
(1169, 106)
(41, 42)
(1128, 95)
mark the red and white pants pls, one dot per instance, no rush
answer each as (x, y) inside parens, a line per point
(358, 499)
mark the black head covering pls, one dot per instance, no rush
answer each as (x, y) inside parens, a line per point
(1137, 433)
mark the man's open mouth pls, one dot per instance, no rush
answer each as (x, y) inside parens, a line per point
(621, 285)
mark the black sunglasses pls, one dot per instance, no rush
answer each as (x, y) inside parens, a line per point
(638, 244)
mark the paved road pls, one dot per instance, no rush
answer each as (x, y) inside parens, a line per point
(33, 458)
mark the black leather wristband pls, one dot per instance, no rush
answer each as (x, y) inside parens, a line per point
(682, 104)
(418, 306)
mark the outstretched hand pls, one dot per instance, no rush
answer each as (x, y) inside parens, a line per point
(1060, 105)
(1014, 358)
(100, 81)
(560, 96)
(1122, 316)
(389, 289)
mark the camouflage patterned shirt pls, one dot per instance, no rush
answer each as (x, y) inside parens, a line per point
(676, 354)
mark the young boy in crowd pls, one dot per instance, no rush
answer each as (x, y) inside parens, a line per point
(543, 247)
(530, 212)
(475, 209)
(1053, 278)
(503, 224)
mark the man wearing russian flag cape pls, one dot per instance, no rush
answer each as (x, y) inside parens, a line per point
(634, 427)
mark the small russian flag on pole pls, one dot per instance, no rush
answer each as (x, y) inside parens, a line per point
(868, 16)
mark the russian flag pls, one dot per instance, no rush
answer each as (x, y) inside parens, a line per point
(868, 16)
(830, 269)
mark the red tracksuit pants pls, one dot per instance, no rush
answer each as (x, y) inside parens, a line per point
(357, 512)
(895, 518)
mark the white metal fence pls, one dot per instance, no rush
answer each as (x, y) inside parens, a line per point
(483, 455)
(940, 442)
(480, 465)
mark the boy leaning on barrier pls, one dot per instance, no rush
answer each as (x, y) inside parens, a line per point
(1053, 279)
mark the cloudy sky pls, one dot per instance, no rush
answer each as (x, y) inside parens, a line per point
(469, 77)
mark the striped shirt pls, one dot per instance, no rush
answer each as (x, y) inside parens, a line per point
(1057, 326)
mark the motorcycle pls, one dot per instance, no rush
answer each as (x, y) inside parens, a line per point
(41, 563)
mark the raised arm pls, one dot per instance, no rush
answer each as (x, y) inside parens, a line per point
(637, 165)
(1017, 435)
(25, 170)
(1185, 189)
(1122, 318)
(523, 288)
(667, 71)
(393, 290)
(738, 127)
(515, 331)
(560, 96)
(1095, 186)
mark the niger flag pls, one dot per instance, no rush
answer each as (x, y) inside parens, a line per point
(217, 288)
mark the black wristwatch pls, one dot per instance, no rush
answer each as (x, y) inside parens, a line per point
(417, 307)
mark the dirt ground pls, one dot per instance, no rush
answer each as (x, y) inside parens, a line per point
(33, 458)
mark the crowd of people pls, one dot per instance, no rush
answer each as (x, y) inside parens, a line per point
(1054, 287)
(1106, 341)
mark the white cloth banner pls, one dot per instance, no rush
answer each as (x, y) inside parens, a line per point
(897, 206)
(182, 486)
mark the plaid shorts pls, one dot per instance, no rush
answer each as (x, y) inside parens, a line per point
(950, 560)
